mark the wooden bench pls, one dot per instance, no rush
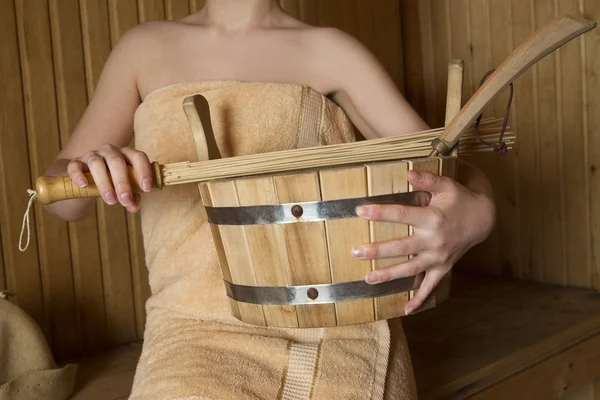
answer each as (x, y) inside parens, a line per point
(494, 339)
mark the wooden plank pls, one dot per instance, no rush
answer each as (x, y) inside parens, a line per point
(309, 11)
(573, 183)
(592, 122)
(550, 156)
(267, 248)
(427, 50)
(413, 60)
(554, 378)
(151, 10)
(528, 183)
(235, 247)
(432, 166)
(441, 57)
(22, 269)
(341, 15)
(176, 9)
(196, 5)
(306, 246)
(71, 100)
(291, 7)
(220, 249)
(112, 221)
(537, 323)
(2, 270)
(386, 178)
(502, 170)
(123, 16)
(343, 235)
(380, 30)
(587, 393)
(460, 42)
(108, 376)
(33, 24)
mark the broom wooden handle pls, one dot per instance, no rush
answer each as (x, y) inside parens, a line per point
(51, 189)
(541, 43)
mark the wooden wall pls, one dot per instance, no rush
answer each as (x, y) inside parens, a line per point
(549, 222)
(85, 283)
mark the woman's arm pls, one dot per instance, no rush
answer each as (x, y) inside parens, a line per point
(105, 128)
(461, 213)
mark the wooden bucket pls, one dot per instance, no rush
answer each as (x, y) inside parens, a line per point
(284, 267)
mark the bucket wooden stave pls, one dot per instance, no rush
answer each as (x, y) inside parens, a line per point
(308, 254)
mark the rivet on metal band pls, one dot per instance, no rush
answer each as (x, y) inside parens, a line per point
(307, 211)
(316, 294)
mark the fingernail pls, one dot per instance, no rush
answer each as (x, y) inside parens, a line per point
(408, 311)
(358, 252)
(82, 182)
(125, 199)
(146, 185)
(110, 198)
(418, 175)
(363, 211)
(373, 277)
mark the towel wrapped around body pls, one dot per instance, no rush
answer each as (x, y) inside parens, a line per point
(193, 347)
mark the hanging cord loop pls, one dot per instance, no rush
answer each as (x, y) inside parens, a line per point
(32, 196)
(499, 147)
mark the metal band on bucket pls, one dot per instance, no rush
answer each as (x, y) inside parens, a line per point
(307, 211)
(316, 294)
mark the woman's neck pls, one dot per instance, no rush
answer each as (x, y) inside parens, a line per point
(239, 15)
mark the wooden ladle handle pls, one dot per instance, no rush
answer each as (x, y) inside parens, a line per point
(541, 43)
(50, 189)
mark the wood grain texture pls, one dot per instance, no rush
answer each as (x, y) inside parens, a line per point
(176, 9)
(220, 249)
(343, 235)
(196, 5)
(550, 156)
(386, 178)
(151, 10)
(124, 16)
(112, 221)
(547, 218)
(234, 247)
(528, 326)
(306, 247)
(591, 57)
(42, 130)
(67, 46)
(267, 248)
(574, 187)
(22, 269)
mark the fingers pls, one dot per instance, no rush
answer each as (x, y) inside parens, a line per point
(419, 217)
(75, 170)
(393, 248)
(432, 279)
(428, 182)
(109, 169)
(412, 267)
(97, 167)
(141, 165)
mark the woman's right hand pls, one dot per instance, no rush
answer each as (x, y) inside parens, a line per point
(108, 167)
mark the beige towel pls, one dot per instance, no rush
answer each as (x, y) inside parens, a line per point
(193, 347)
(27, 369)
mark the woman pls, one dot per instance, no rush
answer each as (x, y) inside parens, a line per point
(252, 50)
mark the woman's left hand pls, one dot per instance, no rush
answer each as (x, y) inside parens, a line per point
(455, 220)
